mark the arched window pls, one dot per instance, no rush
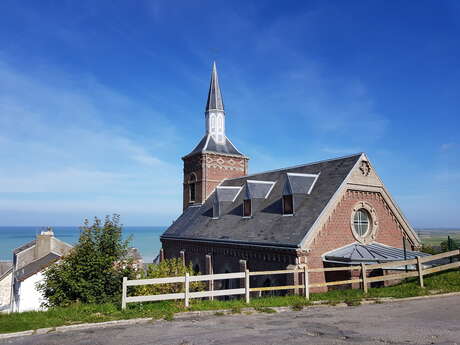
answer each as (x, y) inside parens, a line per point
(192, 188)
(213, 123)
(220, 123)
(361, 222)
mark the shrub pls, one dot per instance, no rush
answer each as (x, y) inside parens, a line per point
(166, 268)
(92, 272)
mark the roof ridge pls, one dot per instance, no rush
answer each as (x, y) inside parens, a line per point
(296, 166)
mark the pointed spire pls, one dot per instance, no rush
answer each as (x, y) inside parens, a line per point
(215, 101)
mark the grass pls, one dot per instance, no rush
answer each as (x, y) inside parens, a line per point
(443, 282)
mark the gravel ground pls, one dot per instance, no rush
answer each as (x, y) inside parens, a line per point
(427, 321)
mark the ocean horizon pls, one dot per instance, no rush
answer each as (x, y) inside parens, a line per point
(145, 238)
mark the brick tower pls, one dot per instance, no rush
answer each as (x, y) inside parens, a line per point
(215, 158)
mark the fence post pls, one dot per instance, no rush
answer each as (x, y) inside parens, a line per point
(209, 270)
(246, 284)
(420, 272)
(182, 256)
(123, 293)
(364, 276)
(187, 289)
(296, 280)
(305, 281)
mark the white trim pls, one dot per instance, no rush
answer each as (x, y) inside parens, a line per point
(269, 191)
(314, 229)
(313, 184)
(265, 182)
(299, 174)
(227, 187)
(234, 146)
(208, 136)
(258, 181)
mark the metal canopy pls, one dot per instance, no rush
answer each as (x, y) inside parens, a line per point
(356, 253)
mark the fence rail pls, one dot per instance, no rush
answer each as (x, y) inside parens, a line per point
(304, 271)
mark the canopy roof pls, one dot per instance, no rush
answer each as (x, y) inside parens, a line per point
(356, 253)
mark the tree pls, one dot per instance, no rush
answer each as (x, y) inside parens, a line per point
(448, 245)
(93, 271)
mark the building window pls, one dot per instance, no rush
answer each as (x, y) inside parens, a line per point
(192, 188)
(288, 204)
(361, 222)
(247, 208)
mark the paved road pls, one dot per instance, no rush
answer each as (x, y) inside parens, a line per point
(427, 321)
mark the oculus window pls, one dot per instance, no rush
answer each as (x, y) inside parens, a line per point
(247, 208)
(288, 204)
(361, 222)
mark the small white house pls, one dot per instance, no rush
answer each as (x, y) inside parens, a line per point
(29, 262)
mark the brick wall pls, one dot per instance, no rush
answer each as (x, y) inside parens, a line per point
(337, 231)
(211, 169)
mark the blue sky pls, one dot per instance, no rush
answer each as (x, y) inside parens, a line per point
(100, 99)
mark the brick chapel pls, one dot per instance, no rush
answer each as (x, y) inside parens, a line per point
(329, 213)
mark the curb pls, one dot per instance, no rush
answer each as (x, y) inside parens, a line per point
(191, 314)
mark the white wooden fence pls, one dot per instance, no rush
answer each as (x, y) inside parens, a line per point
(305, 286)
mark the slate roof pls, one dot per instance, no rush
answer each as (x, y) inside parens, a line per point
(208, 144)
(299, 183)
(215, 101)
(224, 194)
(267, 226)
(24, 247)
(369, 253)
(5, 266)
(36, 266)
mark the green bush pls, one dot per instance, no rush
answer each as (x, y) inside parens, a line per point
(94, 269)
(166, 268)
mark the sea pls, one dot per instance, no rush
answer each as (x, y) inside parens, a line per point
(145, 238)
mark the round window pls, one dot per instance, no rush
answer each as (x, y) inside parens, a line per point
(361, 222)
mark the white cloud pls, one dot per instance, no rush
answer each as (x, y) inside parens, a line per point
(77, 138)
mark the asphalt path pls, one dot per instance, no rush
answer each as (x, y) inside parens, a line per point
(425, 321)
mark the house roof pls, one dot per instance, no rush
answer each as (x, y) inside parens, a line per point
(5, 266)
(369, 253)
(24, 247)
(36, 266)
(209, 145)
(267, 226)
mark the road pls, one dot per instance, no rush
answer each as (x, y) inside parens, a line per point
(426, 321)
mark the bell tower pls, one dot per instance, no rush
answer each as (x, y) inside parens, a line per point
(215, 158)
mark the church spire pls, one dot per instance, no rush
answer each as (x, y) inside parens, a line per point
(215, 101)
(215, 114)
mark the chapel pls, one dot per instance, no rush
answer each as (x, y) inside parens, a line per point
(329, 213)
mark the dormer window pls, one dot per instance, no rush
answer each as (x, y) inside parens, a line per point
(247, 208)
(288, 205)
(192, 188)
(215, 210)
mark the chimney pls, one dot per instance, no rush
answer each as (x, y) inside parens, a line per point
(43, 243)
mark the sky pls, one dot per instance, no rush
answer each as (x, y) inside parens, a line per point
(99, 100)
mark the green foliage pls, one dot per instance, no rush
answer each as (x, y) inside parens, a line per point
(449, 245)
(94, 269)
(426, 248)
(166, 268)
